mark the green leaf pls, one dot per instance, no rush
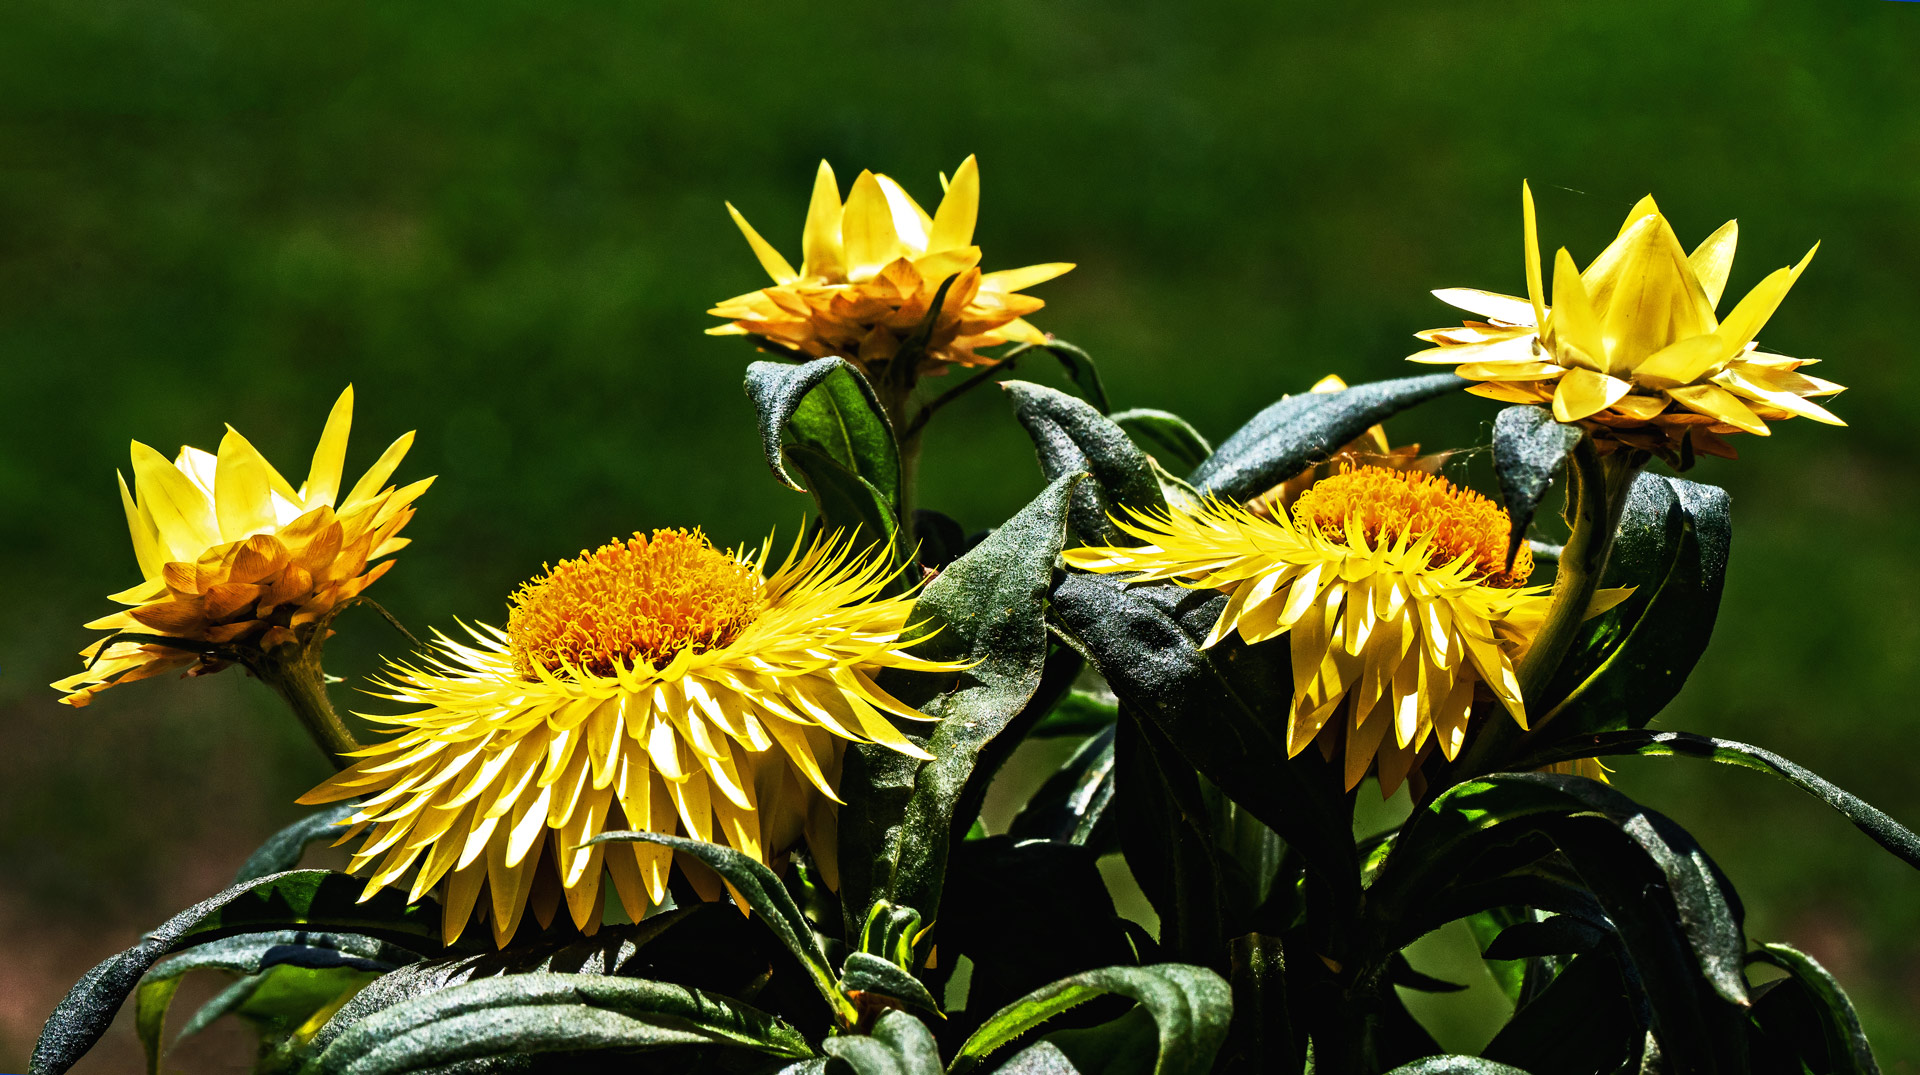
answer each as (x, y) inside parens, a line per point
(1869, 819)
(319, 899)
(1080, 713)
(1486, 926)
(1166, 435)
(987, 608)
(1847, 1051)
(1456, 1065)
(1299, 431)
(847, 501)
(1074, 799)
(1223, 708)
(825, 405)
(279, 1002)
(899, 1045)
(1528, 446)
(867, 973)
(764, 895)
(523, 1014)
(1263, 1038)
(283, 849)
(1170, 847)
(1675, 916)
(1559, 935)
(1584, 1023)
(151, 1003)
(1190, 1005)
(1672, 547)
(1070, 437)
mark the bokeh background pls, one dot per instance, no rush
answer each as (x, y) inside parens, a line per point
(502, 221)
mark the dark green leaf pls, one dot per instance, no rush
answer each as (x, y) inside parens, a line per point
(1486, 926)
(765, 896)
(1263, 1041)
(1299, 431)
(1884, 830)
(548, 1013)
(1041, 1058)
(1170, 848)
(283, 849)
(1223, 708)
(940, 538)
(1672, 547)
(1455, 1065)
(867, 973)
(1401, 973)
(899, 1045)
(1080, 713)
(315, 898)
(1560, 935)
(987, 607)
(1070, 437)
(1844, 1044)
(1582, 1024)
(1165, 435)
(1081, 371)
(847, 501)
(1190, 1005)
(1528, 446)
(1074, 799)
(828, 406)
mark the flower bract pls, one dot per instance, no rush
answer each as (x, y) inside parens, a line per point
(1393, 589)
(1631, 347)
(871, 270)
(655, 684)
(236, 561)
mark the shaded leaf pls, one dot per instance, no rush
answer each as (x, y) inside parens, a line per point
(848, 501)
(1070, 437)
(1560, 935)
(1528, 446)
(1190, 1005)
(1081, 371)
(1074, 800)
(1456, 1065)
(864, 972)
(1079, 713)
(1299, 431)
(1583, 1023)
(899, 1045)
(825, 405)
(1166, 436)
(1843, 1046)
(283, 849)
(320, 899)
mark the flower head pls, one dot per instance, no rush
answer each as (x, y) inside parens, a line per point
(1632, 348)
(871, 270)
(237, 563)
(656, 683)
(1394, 590)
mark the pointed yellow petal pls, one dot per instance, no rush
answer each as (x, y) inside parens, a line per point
(377, 474)
(910, 222)
(146, 540)
(1684, 362)
(1717, 402)
(1018, 279)
(1645, 207)
(1536, 292)
(953, 222)
(1647, 295)
(1712, 260)
(1576, 327)
(330, 456)
(1582, 393)
(1746, 320)
(770, 258)
(821, 252)
(182, 515)
(1504, 308)
(242, 490)
(867, 228)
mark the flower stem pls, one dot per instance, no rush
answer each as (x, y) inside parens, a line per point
(303, 684)
(1598, 492)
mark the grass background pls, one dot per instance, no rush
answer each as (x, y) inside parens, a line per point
(502, 222)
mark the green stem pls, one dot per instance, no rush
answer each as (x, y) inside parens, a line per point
(1598, 494)
(303, 684)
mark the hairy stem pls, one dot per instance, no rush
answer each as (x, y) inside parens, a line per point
(303, 684)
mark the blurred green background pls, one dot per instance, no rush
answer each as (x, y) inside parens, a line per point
(502, 222)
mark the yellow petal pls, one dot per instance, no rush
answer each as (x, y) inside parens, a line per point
(1746, 320)
(1536, 293)
(910, 222)
(330, 455)
(1648, 295)
(1740, 384)
(377, 474)
(1712, 260)
(1684, 362)
(1504, 308)
(242, 489)
(1644, 408)
(770, 258)
(953, 222)
(866, 229)
(821, 252)
(1576, 327)
(1717, 402)
(1018, 279)
(1582, 393)
(182, 516)
(146, 540)
(1642, 209)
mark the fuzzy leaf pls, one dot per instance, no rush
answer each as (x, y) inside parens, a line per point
(1583, 1023)
(1299, 431)
(1070, 436)
(828, 406)
(283, 849)
(867, 973)
(1528, 446)
(1190, 1005)
(1165, 435)
(1074, 799)
(1456, 1065)
(1843, 1046)
(899, 1045)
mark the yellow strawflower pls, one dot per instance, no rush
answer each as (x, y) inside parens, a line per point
(237, 564)
(1368, 449)
(1632, 348)
(870, 270)
(1393, 588)
(657, 684)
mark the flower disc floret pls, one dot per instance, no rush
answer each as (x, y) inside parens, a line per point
(1399, 506)
(633, 602)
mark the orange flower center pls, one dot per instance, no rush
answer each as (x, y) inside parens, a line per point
(633, 602)
(1392, 505)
